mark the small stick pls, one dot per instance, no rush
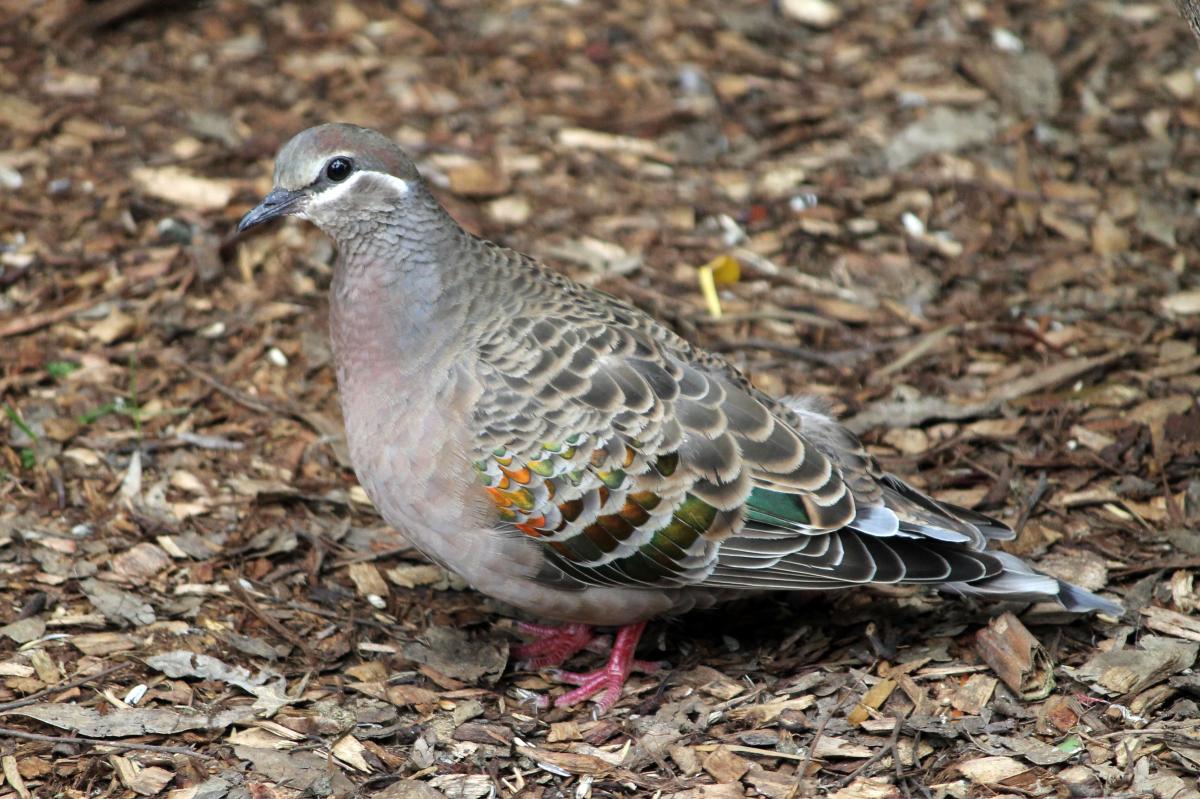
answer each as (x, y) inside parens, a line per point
(6, 732)
(329, 614)
(812, 746)
(243, 596)
(232, 393)
(799, 353)
(32, 699)
(27, 323)
(892, 747)
(1039, 492)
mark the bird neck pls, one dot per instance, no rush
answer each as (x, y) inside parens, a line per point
(397, 290)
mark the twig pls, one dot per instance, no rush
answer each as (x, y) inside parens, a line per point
(328, 614)
(1034, 334)
(883, 750)
(916, 761)
(243, 596)
(101, 14)
(1155, 565)
(232, 393)
(404, 551)
(35, 320)
(1166, 735)
(32, 699)
(764, 316)
(6, 732)
(918, 350)
(1173, 511)
(27, 323)
(812, 746)
(985, 749)
(799, 353)
(313, 419)
(987, 185)
(1027, 507)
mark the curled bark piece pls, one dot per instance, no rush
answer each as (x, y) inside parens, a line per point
(1017, 657)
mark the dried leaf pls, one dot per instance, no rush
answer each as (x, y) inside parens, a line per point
(182, 188)
(569, 762)
(767, 712)
(772, 784)
(12, 773)
(268, 686)
(868, 788)
(349, 750)
(117, 325)
(410, 695)
(124, 723)
(25, 630)
(416, 575)
(261, 738)
(1184, 303)
(686, 759)
(712, 682)
(990, 770)
(409, 789)
(726, 790)
(580, 138)
(141, 562)
(299, 771)
(453, 653)
(834, 746)
(1037, 752)
(814, 13)
(101, 644)
(368, 580)
(477, 179)
(464, 786)
(118, 606)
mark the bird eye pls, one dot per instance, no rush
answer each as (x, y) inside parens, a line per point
(338, 169)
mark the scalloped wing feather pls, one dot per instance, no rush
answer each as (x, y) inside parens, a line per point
(635, 460)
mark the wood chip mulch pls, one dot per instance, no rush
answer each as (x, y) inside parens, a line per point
(972, 227)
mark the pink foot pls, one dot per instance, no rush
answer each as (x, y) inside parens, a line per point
(553, 646)
(609, 680)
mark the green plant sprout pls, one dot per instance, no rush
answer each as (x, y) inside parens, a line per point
(128, 405)
(28, 455)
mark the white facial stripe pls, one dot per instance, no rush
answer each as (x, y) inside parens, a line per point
(396, 184)
(335, 192)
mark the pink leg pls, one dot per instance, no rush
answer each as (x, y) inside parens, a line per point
(611, 678)
(551, 646)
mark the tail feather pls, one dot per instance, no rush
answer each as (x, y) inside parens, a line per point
(1079, 600)
(924, 534)
(1018, 581)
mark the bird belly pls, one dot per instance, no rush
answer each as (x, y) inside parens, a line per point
(407, 443)
(424, 485)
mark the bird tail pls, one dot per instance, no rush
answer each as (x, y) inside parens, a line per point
(912, 514)
(1018, 581)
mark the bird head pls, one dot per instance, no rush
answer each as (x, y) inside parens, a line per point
(336, 175)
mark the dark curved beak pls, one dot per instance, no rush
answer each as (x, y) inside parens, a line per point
(280, 202)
